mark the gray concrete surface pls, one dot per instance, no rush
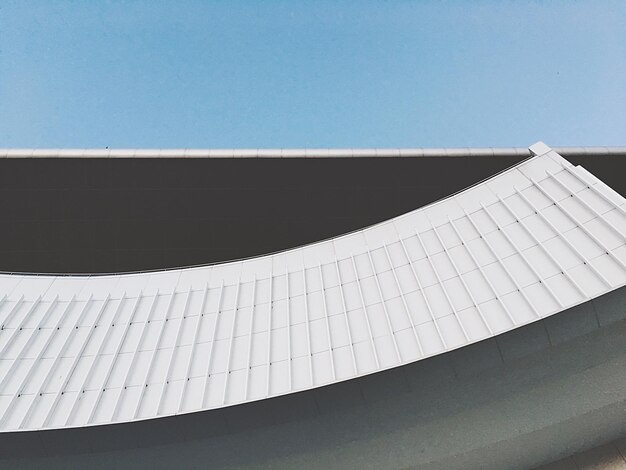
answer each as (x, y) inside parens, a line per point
(611, 456)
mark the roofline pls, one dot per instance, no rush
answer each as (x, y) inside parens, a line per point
(306, 152)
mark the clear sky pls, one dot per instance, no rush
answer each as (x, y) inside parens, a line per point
(312, 74)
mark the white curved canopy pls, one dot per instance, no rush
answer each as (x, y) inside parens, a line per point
(525, 244)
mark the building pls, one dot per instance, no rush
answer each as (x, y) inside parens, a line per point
(482, 330)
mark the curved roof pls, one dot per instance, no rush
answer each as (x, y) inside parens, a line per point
(522, 245)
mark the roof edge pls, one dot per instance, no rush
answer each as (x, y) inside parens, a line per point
(306, 152)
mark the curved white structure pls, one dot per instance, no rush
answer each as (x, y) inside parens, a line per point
(525, 244)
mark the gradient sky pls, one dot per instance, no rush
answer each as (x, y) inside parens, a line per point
(312, 74)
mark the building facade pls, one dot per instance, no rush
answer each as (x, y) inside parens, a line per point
(476, 331)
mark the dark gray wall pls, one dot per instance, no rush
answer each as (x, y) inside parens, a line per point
(107, 215)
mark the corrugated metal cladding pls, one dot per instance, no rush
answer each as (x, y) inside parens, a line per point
(525, 244)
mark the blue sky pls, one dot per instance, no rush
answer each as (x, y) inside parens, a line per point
(312, 74)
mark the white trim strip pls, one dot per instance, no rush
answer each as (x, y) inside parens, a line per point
(303, 152)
